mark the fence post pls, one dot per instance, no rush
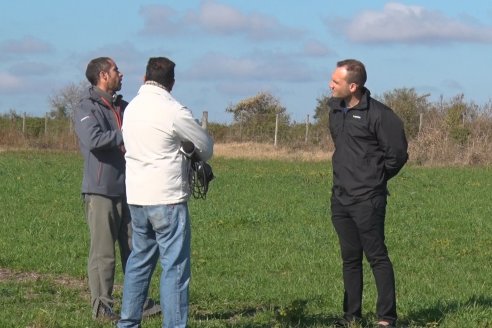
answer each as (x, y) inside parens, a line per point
(24, 123)
(421, 121)
(205, 120)
(46, 125)
(421, 115)
(276, 129)
(307, 129)
(241, 126)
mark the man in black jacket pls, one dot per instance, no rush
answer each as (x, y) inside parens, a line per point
(370, 149)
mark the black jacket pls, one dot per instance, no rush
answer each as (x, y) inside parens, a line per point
(370, 148)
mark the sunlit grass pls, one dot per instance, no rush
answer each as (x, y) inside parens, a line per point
(264, 253)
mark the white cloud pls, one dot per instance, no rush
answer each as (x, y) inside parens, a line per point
(399, 23)
(160, 20)
(316, 49)
(223, 19)
(257, 66)
(219, 18)
(9, 83)
(216, 19)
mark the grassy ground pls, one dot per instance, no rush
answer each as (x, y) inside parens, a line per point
(264, 251)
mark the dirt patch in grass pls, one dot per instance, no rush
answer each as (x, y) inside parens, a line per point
(70, 282)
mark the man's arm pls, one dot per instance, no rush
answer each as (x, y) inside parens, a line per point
(90, 132)
(190, 131)
(392, 139)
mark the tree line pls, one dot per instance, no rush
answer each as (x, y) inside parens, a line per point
(458, 125)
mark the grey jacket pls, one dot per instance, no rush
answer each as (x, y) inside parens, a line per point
(98, 127)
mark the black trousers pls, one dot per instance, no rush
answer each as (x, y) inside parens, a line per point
(360, 229)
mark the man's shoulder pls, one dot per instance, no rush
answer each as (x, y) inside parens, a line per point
(382, 112)
(88, 105)
(87, 100)
(153, 100)
(377, 107)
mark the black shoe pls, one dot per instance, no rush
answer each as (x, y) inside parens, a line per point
(150, 308)
(105, 313)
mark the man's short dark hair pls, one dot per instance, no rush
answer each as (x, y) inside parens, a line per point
(96, 66)
(160, 70)
(356, 71)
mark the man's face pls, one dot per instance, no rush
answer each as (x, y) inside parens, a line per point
(114, 78)
(339, 86)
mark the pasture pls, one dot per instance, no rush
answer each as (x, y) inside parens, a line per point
(264, 253)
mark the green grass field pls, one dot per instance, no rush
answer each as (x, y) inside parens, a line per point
(264, 253)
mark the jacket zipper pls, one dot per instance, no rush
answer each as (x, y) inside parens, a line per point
(117, 114)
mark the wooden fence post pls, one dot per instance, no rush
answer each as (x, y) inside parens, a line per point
(24, 123)
(46, 125)
(241, 126)
(205, 120)
(307, 130)
(276, 129)
(421, 121)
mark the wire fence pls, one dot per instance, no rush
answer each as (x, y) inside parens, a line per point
(37, 132)
(437, 142)
(46, 132)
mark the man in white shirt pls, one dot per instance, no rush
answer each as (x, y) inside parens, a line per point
(155, 130)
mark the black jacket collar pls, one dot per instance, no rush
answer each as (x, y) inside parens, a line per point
(338, 103)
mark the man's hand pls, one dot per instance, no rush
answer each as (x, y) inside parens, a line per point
(187, 149)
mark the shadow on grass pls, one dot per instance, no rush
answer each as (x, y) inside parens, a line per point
(227, 314)
(262, 316)
(295, 315)
(438, 312)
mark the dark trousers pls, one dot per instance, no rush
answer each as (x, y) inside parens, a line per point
(360, 229)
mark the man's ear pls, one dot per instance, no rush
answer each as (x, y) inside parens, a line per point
(101, 79)
(353, 87)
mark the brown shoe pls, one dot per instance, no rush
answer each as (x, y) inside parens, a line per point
(150, 308)
(105, 313)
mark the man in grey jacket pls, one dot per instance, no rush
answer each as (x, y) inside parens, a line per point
(98, 120)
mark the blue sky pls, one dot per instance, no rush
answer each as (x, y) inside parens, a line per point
(226, 51)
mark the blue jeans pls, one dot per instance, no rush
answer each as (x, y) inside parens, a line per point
(159, 232)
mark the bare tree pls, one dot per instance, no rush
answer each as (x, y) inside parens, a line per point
(64, 101)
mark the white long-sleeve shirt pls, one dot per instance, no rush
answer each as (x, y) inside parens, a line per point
(154, 126)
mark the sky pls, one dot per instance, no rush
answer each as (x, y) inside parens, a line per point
(226, 51)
